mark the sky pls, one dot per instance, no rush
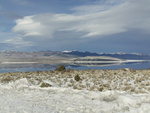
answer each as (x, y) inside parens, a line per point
(86, 25)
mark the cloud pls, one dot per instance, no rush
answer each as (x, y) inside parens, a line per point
(18, 42)
(28, 27)
(97, 20)
(13, 41)
(97, 6)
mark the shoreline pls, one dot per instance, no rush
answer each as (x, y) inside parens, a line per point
(18, 62)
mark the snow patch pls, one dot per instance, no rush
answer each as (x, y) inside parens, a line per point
(52, 100)
(21, 93)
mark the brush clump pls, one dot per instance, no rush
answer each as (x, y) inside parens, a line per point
(129, 80)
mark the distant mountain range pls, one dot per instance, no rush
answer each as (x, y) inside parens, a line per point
(32, 54)
(116, 55)
(48, 53)
(52, 59)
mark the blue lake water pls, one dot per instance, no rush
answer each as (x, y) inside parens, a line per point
(132, 66)
(46, 67)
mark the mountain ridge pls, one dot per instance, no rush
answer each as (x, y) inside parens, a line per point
(116, 55)
(73, 53)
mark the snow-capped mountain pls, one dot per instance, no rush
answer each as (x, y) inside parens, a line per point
(116, 55)
(74, 53)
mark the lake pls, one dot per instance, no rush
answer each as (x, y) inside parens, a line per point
(46, 67)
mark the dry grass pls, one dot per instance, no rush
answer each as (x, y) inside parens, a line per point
(135, 81)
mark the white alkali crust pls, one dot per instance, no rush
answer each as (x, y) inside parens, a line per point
(95, 91)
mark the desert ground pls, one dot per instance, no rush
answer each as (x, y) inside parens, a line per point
(76, 91)
(129, 80)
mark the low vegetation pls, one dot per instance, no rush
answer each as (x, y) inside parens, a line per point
(129, 80)
(45, 85)
(61, 68)
(77, 78)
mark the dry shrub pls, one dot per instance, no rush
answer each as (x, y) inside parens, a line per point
(70, 85)
(70, 70)
(7, 79)
(100, 89)
(61, 68)
(79, 88)
(75, 87)
(45, 85)
(92, 88)
(77, 78)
